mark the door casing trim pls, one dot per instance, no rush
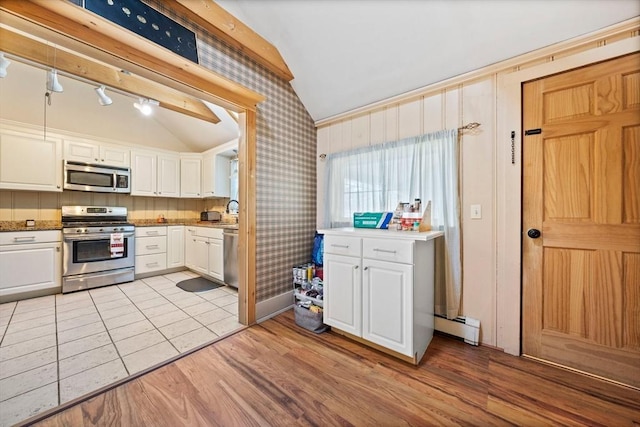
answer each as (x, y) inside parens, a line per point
(509, 184)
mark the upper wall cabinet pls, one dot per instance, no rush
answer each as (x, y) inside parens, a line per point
(190, 175)
(30, 162)
(215, 175)
(91, 152)
(155, 175)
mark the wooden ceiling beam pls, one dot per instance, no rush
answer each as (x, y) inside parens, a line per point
(232, 31)
(77, 30)
(48, 56)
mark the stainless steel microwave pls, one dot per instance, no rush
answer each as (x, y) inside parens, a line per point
(103, 179)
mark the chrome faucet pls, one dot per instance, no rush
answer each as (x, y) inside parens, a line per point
(237, 206)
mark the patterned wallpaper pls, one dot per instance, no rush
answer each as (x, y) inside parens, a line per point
(285, 169)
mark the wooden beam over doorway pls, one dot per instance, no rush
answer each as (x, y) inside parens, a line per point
(85, 68)
(232, 31)
(71, 27)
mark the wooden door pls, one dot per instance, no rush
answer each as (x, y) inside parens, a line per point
(581, 190)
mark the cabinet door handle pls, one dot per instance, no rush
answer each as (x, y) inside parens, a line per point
(151, 233)
(355, 267)
(366, 268)
(152, 246)
(151, 264)
(340, 246)
(24, 238)
(57, 248)
(384, 250)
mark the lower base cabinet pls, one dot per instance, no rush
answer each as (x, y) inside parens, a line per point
(204, 251)
(151, 249)
(30, 261)
(379, 288)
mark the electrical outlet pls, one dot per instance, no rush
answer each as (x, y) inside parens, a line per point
(476, 212)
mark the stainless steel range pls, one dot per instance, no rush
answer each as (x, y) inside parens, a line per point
(98, 247)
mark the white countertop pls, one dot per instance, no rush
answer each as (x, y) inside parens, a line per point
(382, 234)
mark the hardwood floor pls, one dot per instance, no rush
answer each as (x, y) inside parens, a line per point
(278, 374)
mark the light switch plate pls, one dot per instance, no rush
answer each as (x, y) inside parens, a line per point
(476, 212)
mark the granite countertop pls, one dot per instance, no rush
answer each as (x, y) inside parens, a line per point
(22, 226)
(57, 225)
(192, 222)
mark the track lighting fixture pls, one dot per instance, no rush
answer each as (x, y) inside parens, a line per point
(103, 99)
(52, 81)
(4, 63)
(144, 105)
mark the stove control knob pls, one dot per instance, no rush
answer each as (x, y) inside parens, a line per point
(121, 228)
(102, 229)
(79, 230)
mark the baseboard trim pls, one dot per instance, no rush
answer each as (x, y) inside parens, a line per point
(273, 306)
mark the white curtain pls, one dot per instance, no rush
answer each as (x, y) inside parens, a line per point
(377, 178)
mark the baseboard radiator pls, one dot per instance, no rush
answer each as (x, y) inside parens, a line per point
(466, 328)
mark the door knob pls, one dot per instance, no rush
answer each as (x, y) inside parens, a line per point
(534, 233)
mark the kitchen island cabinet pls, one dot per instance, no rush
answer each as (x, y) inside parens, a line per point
(379, 288)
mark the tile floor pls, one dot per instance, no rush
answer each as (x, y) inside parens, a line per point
(56, 348)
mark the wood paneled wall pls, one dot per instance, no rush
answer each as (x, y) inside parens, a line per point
(444, 109)
(490, 294)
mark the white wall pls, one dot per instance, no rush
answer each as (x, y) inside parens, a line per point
(491, 245)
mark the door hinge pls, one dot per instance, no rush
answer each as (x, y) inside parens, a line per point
(533, 132)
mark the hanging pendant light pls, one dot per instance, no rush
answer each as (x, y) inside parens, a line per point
(52, 81)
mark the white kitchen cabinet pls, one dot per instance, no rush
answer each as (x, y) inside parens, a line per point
(204, 251)
(168, 175)
(342, 302)
(30, 162)
(155, 175)
(92, 152)
(379, 287)
(30, 262)
(191, 176)
(387, 300)
(175, 246)
(216, 259)
(215, 175)
(201, 259)
(151, 249)
(189, 247)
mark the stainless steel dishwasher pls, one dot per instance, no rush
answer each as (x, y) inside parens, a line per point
(231, 257)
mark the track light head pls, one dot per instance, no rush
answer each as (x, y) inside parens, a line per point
(103, 99)
(4, 64)
(144, 105)
(52, 81)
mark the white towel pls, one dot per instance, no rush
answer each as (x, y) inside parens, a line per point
(117, 245)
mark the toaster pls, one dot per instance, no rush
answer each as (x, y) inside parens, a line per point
(210, 216)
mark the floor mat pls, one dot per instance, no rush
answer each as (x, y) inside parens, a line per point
(198, 284)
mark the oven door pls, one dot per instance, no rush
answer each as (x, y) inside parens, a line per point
(91, 253)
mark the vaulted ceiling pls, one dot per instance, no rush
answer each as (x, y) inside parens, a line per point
(349, 53)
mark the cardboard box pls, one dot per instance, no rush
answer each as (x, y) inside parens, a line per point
(372, 219)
